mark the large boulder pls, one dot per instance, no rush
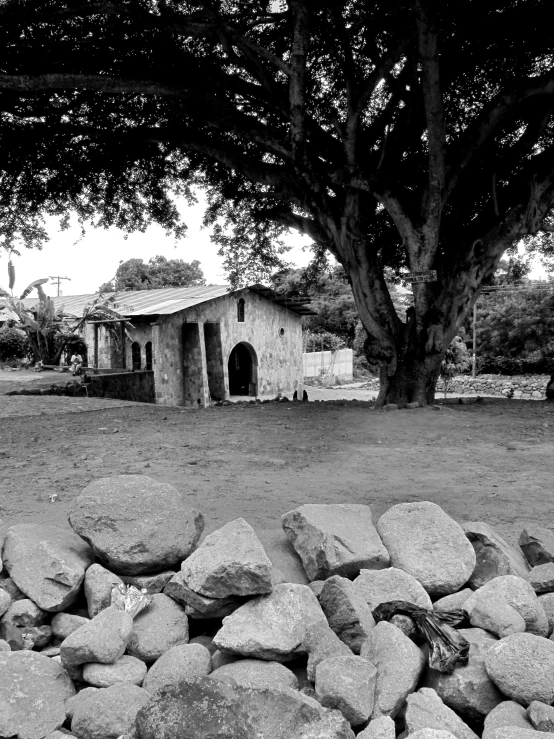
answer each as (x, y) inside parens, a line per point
(183, 662)
(494, 614)
(109, 713)
(382, 586)
(161, 625)
(230, 561)
(211, 708)
(346, 611)
(537, 544)
(347, 684)
(468, 690)
(522, 666)
(517, 593)
(33, 691)
(399, 664)
(136, 525)
(46, 563)
(425, 710)
(271, 627)
(425, 542)
(506, 714)
(257, 673)
(104, 639)
(335, 539)
(495, 557)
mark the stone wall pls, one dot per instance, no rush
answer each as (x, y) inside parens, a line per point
(137, 386)
(523, 386)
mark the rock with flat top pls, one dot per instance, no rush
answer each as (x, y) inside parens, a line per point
(151, 583)
(321, 642)
(33, 691)
(46, 563)
(381, 586)
(211, 708)
(522, 667)
(454, 601)
(127, 669)
(537, 544)
(99, 583)
(379, 728)
(257, 673)
(196, 605)
(518, 594)
(425, 710)
(104, 639)
(399, 664)
(507, 714)
(346, 611)
(428, 544)
(335, 539)
(136, 525)
(541, 578)
(183, 662)
(541, 716)
(161, 625)
(230, 561)
(109, 713)
(273, 626)
(347, 684)
(495, 557)
(468, 690)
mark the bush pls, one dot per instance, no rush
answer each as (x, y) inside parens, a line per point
(13, 344)
(530, 365)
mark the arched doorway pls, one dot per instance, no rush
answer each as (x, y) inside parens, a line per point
(242, 370)
(135, 355)
(148, 352)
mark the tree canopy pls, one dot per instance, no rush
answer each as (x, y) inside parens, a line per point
(135, 274)
(409, 134)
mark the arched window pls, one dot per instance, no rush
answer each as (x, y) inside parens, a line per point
(148, 352)
(240, 310)
(135, 354)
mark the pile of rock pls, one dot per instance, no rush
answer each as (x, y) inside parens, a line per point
(229, 646)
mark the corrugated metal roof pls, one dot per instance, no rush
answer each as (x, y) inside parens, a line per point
(167, 300)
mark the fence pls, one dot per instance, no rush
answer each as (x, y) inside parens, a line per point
(332, 365)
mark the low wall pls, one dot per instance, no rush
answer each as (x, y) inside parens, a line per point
(137, 386)
(523, 386)
(336, 365)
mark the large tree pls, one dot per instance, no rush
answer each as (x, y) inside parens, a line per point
(136, 274)
(412, 134)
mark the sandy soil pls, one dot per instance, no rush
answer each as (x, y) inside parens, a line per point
(492, 461)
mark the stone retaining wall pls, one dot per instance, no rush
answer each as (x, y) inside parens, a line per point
(137, 386)
(523, 386)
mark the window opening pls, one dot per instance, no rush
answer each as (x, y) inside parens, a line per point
(135, 354)
(148, 351)
(240, 310)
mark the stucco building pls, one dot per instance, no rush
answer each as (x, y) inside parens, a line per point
(204, 343)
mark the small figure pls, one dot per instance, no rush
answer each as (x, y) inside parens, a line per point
(76, 364)
(304, 395)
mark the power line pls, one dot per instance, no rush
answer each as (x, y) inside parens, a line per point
(57, 279)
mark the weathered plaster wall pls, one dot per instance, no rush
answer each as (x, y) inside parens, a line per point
(138, 386)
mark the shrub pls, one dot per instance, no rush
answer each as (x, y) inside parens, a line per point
(13, 344)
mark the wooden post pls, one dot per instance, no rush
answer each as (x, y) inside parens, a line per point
(123, 347)
(96, 346)
(474, 369)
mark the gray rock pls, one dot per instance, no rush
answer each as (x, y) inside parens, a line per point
(12, 635)
(381, 586)
(517, 593)
(336, 539)
(257, 673)
(510, 732)
(24, 613)
(108, 713)
(541, 578)
(136, 525)
(522, 666)
(347, 684)
(196, 605)
(99, 583)
(104, 639)
(507, 713)
(432, 734)
(425, 542)
(51, 651)
(425, 710)
(205, 641)
(468, 690)
(271, 627)
(321, 642)
(537, 544)
(33, 691)
(151, 583)
(127, 669)
(454, 601)
(4, 646)
(283, 555)
(8, 586)
(72, 703)
(46, 563)
(379, 728)
(161, 625)
(346, 611)
(541, 716)
(495, 557)
(36, 637)
(399, 664)
(219, 659)
(547, 602)
(5, 602)
(183, 662)
(230, 561)
(494, 614)
(317, 586)
(212, 708)
(64, 624)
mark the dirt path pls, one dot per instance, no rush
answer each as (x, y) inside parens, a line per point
(492, 461)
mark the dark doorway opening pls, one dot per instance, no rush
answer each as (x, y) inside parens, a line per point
(135, 354)
(148, 352)
(241, 379)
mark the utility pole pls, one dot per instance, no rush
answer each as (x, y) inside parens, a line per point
(57, 280)
(474, 358)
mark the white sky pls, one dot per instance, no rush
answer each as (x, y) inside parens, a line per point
(94, 259)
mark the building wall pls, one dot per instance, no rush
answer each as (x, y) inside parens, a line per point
(335, 365)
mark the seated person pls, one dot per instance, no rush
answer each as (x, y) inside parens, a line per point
(76, 364)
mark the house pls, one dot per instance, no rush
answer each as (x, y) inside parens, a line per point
(203, 343)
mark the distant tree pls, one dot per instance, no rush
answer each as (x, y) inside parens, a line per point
(135, 274)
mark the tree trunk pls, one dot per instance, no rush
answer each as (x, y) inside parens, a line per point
(414, 380)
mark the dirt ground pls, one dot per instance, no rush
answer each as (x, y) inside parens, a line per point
(490, 461)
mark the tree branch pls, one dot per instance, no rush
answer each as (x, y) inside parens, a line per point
(297, 87)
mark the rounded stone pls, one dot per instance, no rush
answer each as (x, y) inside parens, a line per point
(136, 525)
(257, 673)
(183, 662)
(522, 666)
(64, 624)
(5, 602)
(425, 542)
(109, 713)
(127, 669)
(161, 625)
(381, 586)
